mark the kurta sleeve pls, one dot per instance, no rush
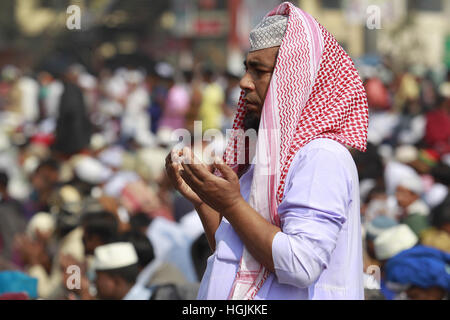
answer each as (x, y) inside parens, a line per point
(312, 213)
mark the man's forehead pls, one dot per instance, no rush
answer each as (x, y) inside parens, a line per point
(266, 57)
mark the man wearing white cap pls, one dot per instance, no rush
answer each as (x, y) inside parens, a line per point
(414, 210)
(136, 121)
(116, 266)
(388, 244)
(408, 192)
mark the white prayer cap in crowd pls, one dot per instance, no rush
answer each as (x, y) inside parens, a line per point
(393, 173)
(164, 70)
(444, 89)
(365, 186)
(42, 222)
(114, 256)
(39, 150)
(406, 154)
(19, 188)
(30, 164)
(436, 195)
(164, 136)
(134, 76)
(77, 68)
(66, 173)
(118, 181)
(92, 171)
(4, 142)
(268, 33)
(393, 241)
(98, 141)
(69, 200)
(87, 81)
(10, 72)
(121, 72)
(412, 182)
(144, 137)
(150, 162)
(112, 157)
(47, 125)
(69, 194)
(385, 151)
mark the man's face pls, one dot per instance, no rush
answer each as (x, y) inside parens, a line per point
(405, 197)
(44, 178)
(90, 243)
(259, 67)
(433, 293)
(105, 285)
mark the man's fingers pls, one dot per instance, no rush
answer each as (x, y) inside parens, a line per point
(200, 170)
(173, 165)
(188, 171)
(226, 171)
(190, 180)
(173, 157)
(196, 166)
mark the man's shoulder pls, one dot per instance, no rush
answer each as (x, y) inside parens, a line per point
(326, 149)
(326, 144)
(325, 153)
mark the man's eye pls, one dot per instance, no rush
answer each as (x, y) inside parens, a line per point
(259, 72)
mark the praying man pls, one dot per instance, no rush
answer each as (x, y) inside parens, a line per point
(285, 223)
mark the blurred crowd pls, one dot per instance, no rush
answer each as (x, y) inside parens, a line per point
(404, 179)
(82, 180)
(87, 212)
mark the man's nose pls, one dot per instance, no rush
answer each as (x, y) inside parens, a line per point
(246, 83)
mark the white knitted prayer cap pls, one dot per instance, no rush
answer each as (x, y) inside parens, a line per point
(268, 33)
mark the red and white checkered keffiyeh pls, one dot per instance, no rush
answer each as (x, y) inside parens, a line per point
(315, 92)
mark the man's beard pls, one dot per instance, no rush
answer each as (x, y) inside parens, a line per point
(251, 121)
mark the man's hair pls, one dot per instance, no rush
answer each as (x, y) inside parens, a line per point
(102, 224)
(129, 273)
(139, 220)
(374, 191)
(369, 163)
(440, 215)
(208, 73)
(441, 173)
(3, 179)
(48, 163)
(142, 245)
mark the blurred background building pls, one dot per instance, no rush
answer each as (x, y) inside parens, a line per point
(185, 31)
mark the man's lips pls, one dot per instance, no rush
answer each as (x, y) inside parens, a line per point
(251, 106)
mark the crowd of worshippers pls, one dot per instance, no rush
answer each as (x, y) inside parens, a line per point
(86, 210)
(404, 180)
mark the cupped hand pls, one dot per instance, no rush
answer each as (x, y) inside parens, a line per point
(220, 193)
(173, 167)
